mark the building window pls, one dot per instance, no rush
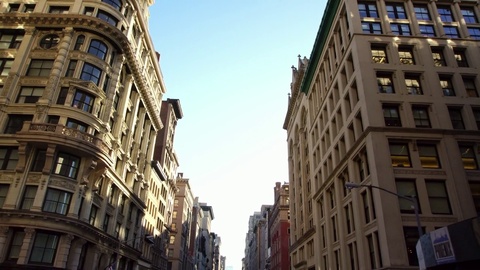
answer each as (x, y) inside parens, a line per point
(379, 54)
(3, 193)
(57, 201)
(106, 221)
(44, 248)
(58, 9)
(371, 27)
(428, 156)
(469, 15)
(40, 68)
(475, 190)
(474, 32)
(49, 41)
(427, 30)
(72, 65)
(456, 118)
(28, 197)
(468, 157)
(15, 122)
(79, 42)
(83, 101)
(5, 66)
(13, 7)
(451, 31)
(89, 11)
(30, 94)
(75, 124)
(421, 12)
(401, 29)
(368, 9)
(103, 15)
(10, 39)
(445, 13)
(111, 194)
(66, 165)
(476, 115)
(438, 197)
(396, 11)
(62, 96)
(16, 245)
(91, 73)
(391, 115)
(39, 162)
(399, 154)
(405, 55)
(117, 4)
(29, 8)
(411, 239)
(421, 117)
(93, 215)
(470, 87)
(438, 57)
(98, 48)
(385, 83)
(460, 58)
(118, 226)
(406, 188)
(447, 86)
(412, 83)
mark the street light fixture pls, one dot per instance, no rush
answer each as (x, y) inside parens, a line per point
(350, 185)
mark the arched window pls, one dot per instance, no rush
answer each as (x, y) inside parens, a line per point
(117, 4)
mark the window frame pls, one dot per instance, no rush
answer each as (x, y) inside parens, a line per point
(69, 168)
(83, 100)
(5, 66)
(4, 188)
(407, 187)
(428, 154)
(460, 57)
(91, 73)
(379, 54)
(367, 9)
(372, 28)
(446, 85)
(421, 11)
(391, 115)
(457, 119)
(419, 120)
(36, 92)
(451, 31)
(383, 86)
(98, 48)
(403, 55)
(396, 10)
(50, 246)
(401, 29)
(468, 156)
(40, 68)
(413, 84)
(445, 13)
(434, 198)
(15, 122)
(399, 160)
(27, 198)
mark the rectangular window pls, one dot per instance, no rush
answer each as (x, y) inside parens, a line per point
(83, 101)
(59, 9)
(438, 58)
(91, 73)
(469, 15)
(75, 124)
(15, 122)
(401, 29)
(476, 115)
(460, 58)
(379, 54)
(412, 83)
(3, 193)
(421, 12)
(30, 94)
(391, 115)
(396, 11)
(428, 156)
(40, 68)
(8, 158)
(44, 248)
(117, 229)
(456, 118)
(470, 87)
(93, 215)
(11, 39)
(368, 9)
(103, 15)
(57, 201)
(399, 154)
(106, 221)
(405, 55)
(5, 66)
(445, 13)
(406, 188)
(366, 207)
(427, 30)
(66, 165)
(39, 161)
(28, 197)
(451, 31)
(71, 68)
(385, 83)
(469, 159)
(16, 245)
(372, 27)
(438, 197)
(421, 117)
(62, 96)
(411, 239)
(447, 86)
(475, 190)
(474, 32)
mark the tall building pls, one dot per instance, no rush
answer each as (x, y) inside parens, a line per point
(278, 229)
(204, 256)
(389, 97)
(80, 92)
(257, 240)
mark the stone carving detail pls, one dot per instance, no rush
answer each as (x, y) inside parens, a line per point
(423, 172)
(34, 178)
(62, 184)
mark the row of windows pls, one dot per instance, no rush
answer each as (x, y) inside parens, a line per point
(400, 25)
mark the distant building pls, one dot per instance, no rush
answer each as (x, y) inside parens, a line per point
(256, 240)
(204, 258)
(279, 224)
(389, 97)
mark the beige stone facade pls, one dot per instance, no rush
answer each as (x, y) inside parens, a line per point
(389, 97)
(80, 98)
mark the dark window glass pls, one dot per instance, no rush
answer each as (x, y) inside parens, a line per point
(75, 124)
(428, 156)
(391, 116)
(44, 248)
(117, 4)
(420, 116)
(83, 101)
(400, 29)
(15, 245)
(66, 165)
(103, 15)
(427, 30)
(49, 41)
(30, 94)
(15, 122)
(57, 201)
(474, 32)
(71, 68)
(476, 115)
(79, 42)
(400, 155)
(5, 66)
(62, 96)
(39, 162)
(451, 31)
(396, 11)
(411, 239)
(11, 39)
(40, 68)
(98, 48)
(91, 73)
(28, 197)
(438, 197)
(461, 58)
(371, 27)
(445, 13)
(469, 15)
(368, 10)
(412, 82)
(385, 83)
(470, 87)
(406, 188)
(456, 118)
(422, 14)
(3, 193)
(447, 87)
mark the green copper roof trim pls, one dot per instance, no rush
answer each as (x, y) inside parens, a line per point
(325, 26)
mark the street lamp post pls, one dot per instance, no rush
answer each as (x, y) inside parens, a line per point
(350, 185)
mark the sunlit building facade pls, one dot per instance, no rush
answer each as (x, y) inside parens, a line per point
(389, 97)
(80, 91)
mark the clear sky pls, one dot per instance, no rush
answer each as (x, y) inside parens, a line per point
(229, 62)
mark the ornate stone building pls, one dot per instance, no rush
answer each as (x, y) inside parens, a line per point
(389, 97)
(80, 98)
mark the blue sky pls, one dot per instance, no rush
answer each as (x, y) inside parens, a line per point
(229, 62)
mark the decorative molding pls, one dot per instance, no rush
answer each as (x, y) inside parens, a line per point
(423, 172)
(62, 184)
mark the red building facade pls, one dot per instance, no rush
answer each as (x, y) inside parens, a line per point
(279, 224)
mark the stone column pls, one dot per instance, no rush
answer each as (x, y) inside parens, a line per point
(75, 252)
(63, 250)
(3, 242)
(27, 243)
